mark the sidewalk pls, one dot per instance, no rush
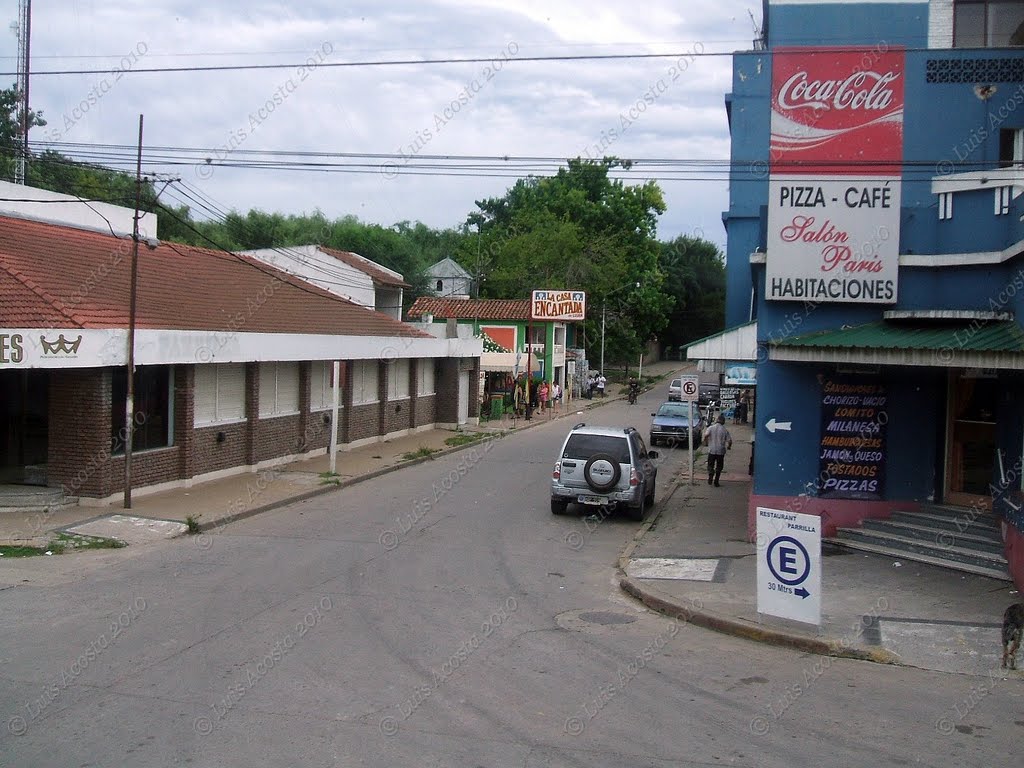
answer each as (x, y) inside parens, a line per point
(873, 607)
(216, 503)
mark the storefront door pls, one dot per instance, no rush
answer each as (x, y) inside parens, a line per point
(970, 439)
(24, 418)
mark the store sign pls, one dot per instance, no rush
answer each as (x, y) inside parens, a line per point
(558, 305)
(740, 374)
(834, 186)
(854, 423)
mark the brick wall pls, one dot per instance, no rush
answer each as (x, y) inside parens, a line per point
(447, 398)
(80, 411)
(79, 431)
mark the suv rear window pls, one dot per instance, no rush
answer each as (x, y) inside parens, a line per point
(585, 446)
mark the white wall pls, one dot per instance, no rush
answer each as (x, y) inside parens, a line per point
(322, 270)
(71, 211)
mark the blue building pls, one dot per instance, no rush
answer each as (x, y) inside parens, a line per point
(876, 243)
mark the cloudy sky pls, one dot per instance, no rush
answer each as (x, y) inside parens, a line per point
(657, 108)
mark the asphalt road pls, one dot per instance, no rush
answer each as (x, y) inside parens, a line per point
(437, 616)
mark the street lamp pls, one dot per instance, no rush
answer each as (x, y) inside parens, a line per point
(604, 306)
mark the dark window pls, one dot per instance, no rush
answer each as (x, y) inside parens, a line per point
(1010, 147)
(988, 23)
(585, 446)
(440, 285)
(152, 408)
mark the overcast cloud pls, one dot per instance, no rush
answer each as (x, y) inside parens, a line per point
(536, 109)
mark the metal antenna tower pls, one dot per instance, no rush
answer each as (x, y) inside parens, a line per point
(24, 32)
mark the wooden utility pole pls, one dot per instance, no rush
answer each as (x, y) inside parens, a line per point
(129, 401)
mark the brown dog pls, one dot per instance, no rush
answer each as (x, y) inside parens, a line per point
(1013, 626)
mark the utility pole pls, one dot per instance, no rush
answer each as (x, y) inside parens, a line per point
(129, 400)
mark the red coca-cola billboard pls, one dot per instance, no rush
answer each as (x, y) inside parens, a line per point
(837, 111)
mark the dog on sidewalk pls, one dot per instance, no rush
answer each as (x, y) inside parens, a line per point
(1013, 626)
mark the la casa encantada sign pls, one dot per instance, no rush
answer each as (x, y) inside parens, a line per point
(558, 305)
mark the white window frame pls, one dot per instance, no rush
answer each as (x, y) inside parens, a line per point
(365, 382)
(320, 397)
(223, 411)
(1002, 201)
(426, 377)
(945, 205)
(277, 408)
(398, 380)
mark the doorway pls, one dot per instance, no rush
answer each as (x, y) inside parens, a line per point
(24, 427)
(970, 439)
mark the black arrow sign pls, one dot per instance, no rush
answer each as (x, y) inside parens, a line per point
(803, 593)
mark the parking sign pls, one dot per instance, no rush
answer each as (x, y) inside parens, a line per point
(789, 565)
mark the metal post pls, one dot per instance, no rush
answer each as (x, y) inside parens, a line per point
(336, 374)
(529, 365)
(689, 443)
(129, 400)
(604, 304)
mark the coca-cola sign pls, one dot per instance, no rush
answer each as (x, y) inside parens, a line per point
(835, 163)
(837, 111)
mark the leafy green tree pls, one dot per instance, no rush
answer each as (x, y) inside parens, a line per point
(695, 277)
(579, 229)
(10, 130)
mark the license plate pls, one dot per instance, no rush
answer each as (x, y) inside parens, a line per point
(592, 500)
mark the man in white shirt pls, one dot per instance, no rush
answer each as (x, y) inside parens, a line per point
(601, 381)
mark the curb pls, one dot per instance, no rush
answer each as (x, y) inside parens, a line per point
(697, 615)
(728, 625)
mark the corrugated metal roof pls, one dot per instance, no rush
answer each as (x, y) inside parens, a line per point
(967, 336)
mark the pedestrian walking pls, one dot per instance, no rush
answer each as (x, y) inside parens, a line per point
(601, 381)
(542, 395)
(718, 440)
(556, 395)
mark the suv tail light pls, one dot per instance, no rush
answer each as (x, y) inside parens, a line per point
(556, 473)
(634, 478)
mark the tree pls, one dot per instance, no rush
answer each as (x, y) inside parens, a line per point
(695, 277)
(10, 130)
(579, 229)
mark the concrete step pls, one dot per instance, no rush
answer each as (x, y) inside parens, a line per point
(941, 536)
(992, 572)
(955, 557)
(983, 526)
(29, 498)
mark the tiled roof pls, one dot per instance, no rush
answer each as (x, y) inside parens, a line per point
(56, 276)
(468, 309)
(378, 275)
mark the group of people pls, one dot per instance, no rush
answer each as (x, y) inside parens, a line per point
(543, 395)
(596, 383)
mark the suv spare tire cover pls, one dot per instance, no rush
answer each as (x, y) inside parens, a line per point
(602, 472)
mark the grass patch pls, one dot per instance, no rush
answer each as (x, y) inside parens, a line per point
(463, 438)
(60, 544)
(330, 478)
(420, 453)
(192, 524)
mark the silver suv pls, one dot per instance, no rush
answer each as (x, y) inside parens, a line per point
(675, 390)
(604, 467)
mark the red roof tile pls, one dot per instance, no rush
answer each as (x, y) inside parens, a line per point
(378, 275)
(468, 309)
(54, 276)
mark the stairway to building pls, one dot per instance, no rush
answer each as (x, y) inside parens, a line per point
(958, 538)
(32, 498)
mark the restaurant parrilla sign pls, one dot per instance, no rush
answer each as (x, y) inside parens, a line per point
(558, 305)
(834, 185)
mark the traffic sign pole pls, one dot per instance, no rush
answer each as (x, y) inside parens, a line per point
(689, 386)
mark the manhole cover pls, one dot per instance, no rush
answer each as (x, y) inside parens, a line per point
(607, 617)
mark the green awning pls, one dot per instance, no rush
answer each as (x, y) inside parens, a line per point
(939, 343)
